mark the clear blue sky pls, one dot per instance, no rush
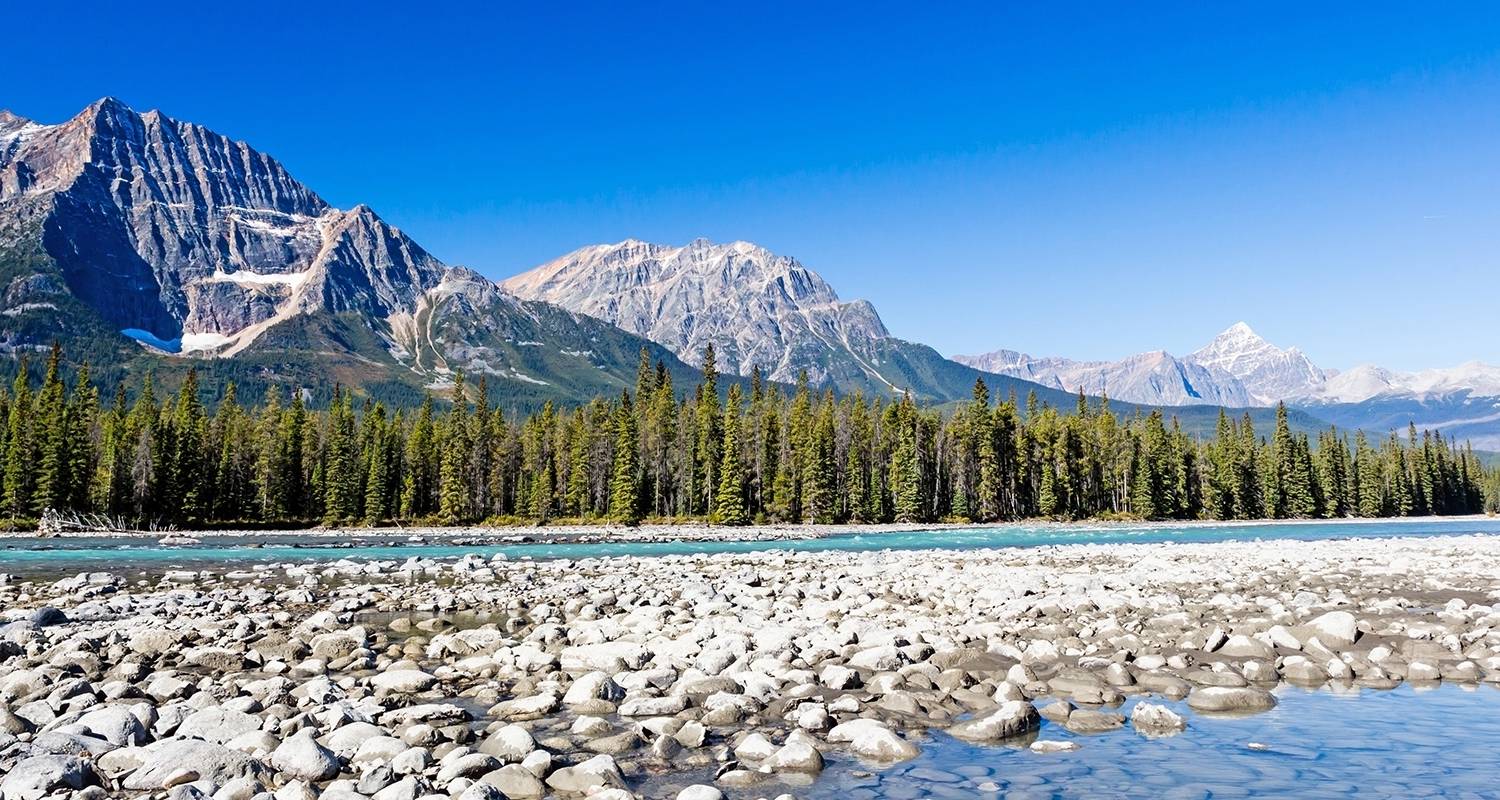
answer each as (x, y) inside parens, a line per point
(1081, 180)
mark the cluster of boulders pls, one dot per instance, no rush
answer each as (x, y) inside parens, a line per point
(691, 676)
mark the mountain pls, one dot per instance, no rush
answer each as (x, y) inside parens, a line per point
(1269, 373)
(757, 308)
(1155, 378)
(1368, 381)
(133, 237)
(144, 243)
(1239, 368)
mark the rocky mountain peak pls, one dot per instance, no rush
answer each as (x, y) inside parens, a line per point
(1270, 373)
(10, 121)
(756, 307)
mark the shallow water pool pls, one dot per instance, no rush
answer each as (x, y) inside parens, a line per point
(1322, 743)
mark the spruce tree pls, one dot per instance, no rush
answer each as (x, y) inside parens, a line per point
(906, 477)
(453, 485)
(20, 454)
(420, 482)
(729, 503)
(709, 430)
(624, 491)
(819, 484)
(51, 423)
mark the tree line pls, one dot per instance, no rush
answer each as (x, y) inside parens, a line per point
(780, 455)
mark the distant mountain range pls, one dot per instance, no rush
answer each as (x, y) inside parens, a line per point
(1240, 368)
(143, 242)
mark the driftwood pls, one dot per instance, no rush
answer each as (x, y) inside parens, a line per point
(54, 522)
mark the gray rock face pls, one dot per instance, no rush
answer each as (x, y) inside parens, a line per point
(204, 236)
(755, 307)
(190, 242)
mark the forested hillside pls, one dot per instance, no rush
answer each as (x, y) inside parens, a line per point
(659, 453)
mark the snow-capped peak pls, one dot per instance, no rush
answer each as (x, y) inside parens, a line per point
(1269, 373)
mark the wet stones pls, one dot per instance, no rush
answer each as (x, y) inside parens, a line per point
(872, 740)
(1011, 718)
(1155, 719)
(598, 772)
(1092, 721)
(1230, 700)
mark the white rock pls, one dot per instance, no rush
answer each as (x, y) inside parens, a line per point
(873, 740)
(301, 757)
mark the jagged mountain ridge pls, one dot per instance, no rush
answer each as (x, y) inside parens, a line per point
(118, 223)
(213, 256)
(1269, 373)
(1463, 401)
(757, 308)
(1155, 378)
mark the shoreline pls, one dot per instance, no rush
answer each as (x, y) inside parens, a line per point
(686, 532)
(746, 673)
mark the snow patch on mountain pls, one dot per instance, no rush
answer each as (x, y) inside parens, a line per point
(1269, 373)
(1239, 368)
(1155, 378)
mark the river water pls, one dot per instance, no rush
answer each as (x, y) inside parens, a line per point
(76, 554)
(1323, 743)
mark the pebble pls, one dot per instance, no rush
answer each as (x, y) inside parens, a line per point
(512, 678)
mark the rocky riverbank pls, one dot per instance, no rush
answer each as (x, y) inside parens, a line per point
(692, 676)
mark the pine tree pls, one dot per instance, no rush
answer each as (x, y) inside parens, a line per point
(1368, 477)
(20, 453)
(819, 484)
(51, 421)
(377, 467)
(420, 482)
(112, 484)
(341, 466)
(453, 485)
(1223, 455)
(987, 454)
(188, 493)
(710, 433)
(142, 435)
(624, 491)
(729, 503)
(906, 477)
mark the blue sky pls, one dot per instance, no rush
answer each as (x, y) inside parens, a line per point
(1086, 180)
